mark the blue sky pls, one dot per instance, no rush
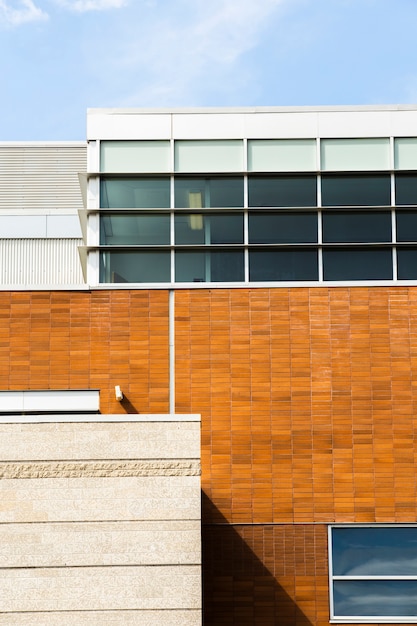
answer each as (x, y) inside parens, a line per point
(59, 57)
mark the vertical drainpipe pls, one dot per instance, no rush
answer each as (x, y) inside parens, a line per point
(171, 325)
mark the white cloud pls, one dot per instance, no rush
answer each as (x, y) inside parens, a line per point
(195, 42)
(17, 13)
(82, 6)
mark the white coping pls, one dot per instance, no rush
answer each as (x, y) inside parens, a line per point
(249, 109)
(118, 417)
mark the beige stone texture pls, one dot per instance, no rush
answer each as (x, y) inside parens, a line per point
(100, 499)
(191, 617)
(106, 543)
(100, 588)
(89, 441)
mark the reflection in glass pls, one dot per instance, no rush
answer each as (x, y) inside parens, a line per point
(130, 229)
(283, 227)
(406, 225)
(215, 266)
(135, 267)
(374, 551)
(357, 264)
(222, 192)
(269, 265)
(405, 189)
(353, 190)
(208, 228)
(134, 193)
(282, 191)
(407, 263)
(356, 226)
(375, 598)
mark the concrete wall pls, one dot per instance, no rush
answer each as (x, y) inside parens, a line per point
(100, 522)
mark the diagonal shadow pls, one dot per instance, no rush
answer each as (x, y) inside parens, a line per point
(238, 589)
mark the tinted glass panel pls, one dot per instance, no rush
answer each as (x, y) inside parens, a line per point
(356, 226)
(375, 597)
(283, 227)
(357, 264)
(405, 189)
(135, 267)
(134, 193)
(283, 265)
(282, 191)
(195, 228)
(407, 263)
(208, 192)
(127, 229)
(375, 551)
(215, 266)
(356, 190)
(406, 225)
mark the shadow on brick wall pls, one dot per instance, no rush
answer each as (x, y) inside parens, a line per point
(238, 589)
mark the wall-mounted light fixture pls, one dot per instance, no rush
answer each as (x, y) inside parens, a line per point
(119, 393)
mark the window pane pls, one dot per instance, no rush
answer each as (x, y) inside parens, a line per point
(374, 551)
(134, 193)
(406, 225)
(282, 155)
(203, 228)
(214, 266)
(405, 189)
(127, 229)
(375, 598)
(282, 191)
(267, 265)
(135, 156)
(135, 267)
(356, 190)
(219, 192)
(405, 153)
(407, 263)
(355, 154)
(357, 264)
(356, 226)
(209, 156)
(283, 227)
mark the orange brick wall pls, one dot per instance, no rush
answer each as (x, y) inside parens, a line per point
(307, 398)
(81, 340)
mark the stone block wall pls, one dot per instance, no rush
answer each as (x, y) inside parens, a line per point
(100, 522)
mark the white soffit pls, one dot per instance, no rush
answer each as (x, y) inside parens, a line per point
(128, 126)
(285, 125)
(354, 123)
(49, 400)
(208, 126)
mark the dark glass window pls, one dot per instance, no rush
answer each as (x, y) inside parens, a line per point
(360, 557)
(135, 267)
(354, 190)
(357, 264)
(407, 263)
(208, 228)
(215, 266)
(295, 227)
(135, 193)
(269, 265)
(406, 189)
(356, 226)
(406, 225)
(297, 191)
(130, 229)
(222, 192)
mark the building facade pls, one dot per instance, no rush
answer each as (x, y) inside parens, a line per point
(257, 267)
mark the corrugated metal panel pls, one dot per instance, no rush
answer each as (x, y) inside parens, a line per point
(37, 262)
(41, 177)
